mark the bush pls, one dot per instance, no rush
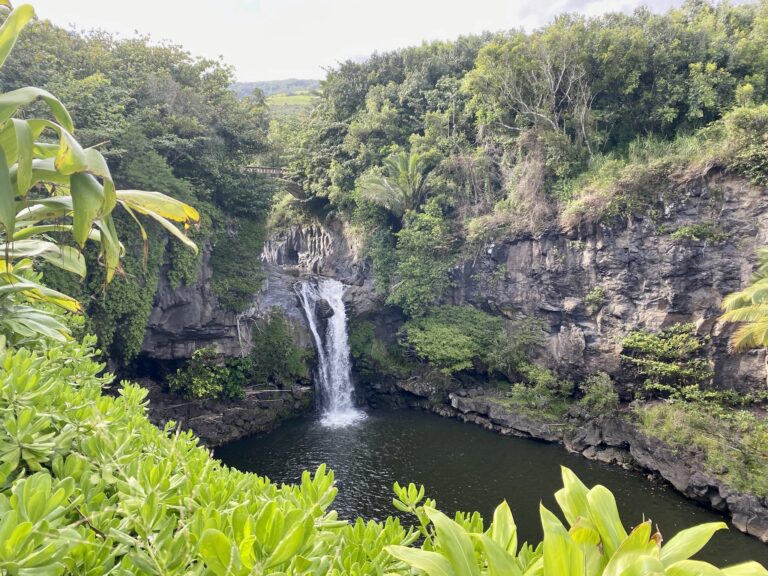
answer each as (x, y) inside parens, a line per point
(668, 362)
(372, 356)
(275, 356)
(702, 232)
(453, 338)
(733, 443)
(97, 489)
(512, 349)
(208, 375)
(599, 396)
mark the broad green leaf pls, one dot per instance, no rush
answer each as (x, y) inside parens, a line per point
(605, 518)
(688, 542)
(10, 102)
(64, 257)
(500, 562)
(634, 547)
(454, 543)
(87, 204)
(645, 566)
(432, 563)
(503, 529)
(562, 556)
(23, 156)
(746, 569)
(216, 551)
(7, 197)
(572, 497)
(289, 545)
(13, 25)
(692, 568)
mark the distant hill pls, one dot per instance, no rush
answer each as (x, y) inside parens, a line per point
(270, 87)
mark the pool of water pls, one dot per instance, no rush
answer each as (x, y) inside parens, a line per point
(465, 467)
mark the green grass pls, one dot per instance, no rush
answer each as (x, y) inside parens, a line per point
(733, 444)
(291, 104)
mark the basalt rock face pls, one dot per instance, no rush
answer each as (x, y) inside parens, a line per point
(648, 279)
(187, 318)
(217, 421)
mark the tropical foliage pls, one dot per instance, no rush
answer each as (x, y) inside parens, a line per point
(164, 121)
(749, 308)
(89, 486)
(50, 185)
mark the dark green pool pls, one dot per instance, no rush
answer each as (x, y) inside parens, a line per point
(464, 468)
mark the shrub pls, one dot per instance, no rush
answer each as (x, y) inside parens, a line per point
(702, 232)
(275, 356)
(208, 375)
(733, 443)
(599, 396)
(512, 349)
(453, 338)
(667, 362)
(595, 298)
(89, 486)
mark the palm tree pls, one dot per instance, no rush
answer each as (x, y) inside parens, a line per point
(750, 308)
(402, 187)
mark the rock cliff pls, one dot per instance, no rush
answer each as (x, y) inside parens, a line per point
(646, 276)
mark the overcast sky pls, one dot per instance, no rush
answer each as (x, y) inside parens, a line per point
(276, 39)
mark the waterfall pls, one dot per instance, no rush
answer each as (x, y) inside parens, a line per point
(322, 301)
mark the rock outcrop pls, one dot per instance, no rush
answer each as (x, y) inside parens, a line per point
(643, 275)
(217, 421)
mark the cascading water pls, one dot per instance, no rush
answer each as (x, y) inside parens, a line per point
(334, 382)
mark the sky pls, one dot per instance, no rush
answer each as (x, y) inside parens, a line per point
(277, 39)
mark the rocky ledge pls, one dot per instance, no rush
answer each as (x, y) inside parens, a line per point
(607, 439)
(216, 421)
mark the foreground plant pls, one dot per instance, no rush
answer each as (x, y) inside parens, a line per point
(49, 186)
(595, 543)
(89, 486)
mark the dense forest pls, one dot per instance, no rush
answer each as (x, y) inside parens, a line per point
(428, 154)
(164, 121)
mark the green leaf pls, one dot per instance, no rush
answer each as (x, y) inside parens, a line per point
(746, 569)
(24, 155)
(7, 197)
(10, 102)
(288, 546)
(13, 25)
(454, 543)
(500, 562)
(503, 529)
(688, 542)
(605, 517)
(692, 568)
(87, 202)
(64, 257)
(216, 551)
(572, 497)
(432, 563)
(562, 556)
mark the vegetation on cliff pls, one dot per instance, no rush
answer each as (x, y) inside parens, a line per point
(89, 486)
(163, 121)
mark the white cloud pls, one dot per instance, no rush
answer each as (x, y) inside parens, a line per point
(271, 39)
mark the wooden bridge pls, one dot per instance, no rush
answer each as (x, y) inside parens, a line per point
(279, 174)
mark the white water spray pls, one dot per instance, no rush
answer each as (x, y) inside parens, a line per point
(334, 382)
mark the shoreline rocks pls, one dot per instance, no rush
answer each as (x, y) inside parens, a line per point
(216, 422)
(610, 440)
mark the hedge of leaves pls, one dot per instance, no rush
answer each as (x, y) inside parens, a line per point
(89, 486)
